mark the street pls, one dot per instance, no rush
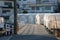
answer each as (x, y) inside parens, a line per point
(32, 32)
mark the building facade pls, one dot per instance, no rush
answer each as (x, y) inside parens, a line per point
(37, 6)
(31, 6)
(6, 10)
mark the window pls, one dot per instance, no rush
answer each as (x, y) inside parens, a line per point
(45, 0)
(37, 8)
(4, 11)
(33, 8)
(24, 0)
(38, 1)
(8, 3)
(47, 8)
(24, 5)
(17, 5)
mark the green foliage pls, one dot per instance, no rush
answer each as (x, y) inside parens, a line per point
(25, 12)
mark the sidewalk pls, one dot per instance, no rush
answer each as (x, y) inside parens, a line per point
(33, 32)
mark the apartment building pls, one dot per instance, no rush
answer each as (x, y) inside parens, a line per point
(6, 10)
(37, 6)
(31, 6)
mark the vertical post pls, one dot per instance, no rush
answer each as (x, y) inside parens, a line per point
(15, 17)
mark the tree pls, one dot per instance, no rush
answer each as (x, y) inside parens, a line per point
(24, 12)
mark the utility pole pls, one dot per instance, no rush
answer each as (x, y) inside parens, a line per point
(15, 17)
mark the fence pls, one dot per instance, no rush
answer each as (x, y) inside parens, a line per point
(30, 18)
(9, 29)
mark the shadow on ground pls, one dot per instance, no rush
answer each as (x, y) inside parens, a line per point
(33, 37)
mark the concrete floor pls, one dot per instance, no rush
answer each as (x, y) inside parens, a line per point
(32, 32)
(32, 29)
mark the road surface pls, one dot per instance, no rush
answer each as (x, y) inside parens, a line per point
(32, 32)
(32, 29)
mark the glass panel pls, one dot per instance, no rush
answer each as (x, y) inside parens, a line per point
(47, 8)
(37, 8)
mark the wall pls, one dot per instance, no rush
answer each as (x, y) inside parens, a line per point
(30, 18)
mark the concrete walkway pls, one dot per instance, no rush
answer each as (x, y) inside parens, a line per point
(33, 32)
(32, 29)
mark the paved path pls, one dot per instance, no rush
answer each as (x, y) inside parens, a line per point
(31, 29)
(33, 32)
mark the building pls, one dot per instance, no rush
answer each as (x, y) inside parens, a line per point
(58, 9)
(37, 6)
(6, 10)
